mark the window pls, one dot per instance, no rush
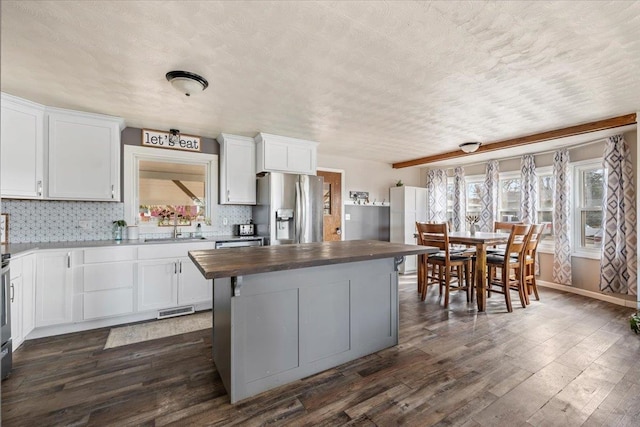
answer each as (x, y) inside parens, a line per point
(546, 183)
(475, 185)
(509, 196)
(589, 184)
(166, 186)
(450, 191)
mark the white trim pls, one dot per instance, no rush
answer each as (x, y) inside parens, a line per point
(591, 294)
(343, 190)
(132, 156)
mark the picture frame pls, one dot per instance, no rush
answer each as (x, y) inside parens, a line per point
(4, 228)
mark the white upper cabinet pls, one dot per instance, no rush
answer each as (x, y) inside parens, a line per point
(283, 154)
(22, 146)
(83, 156)
(237, 170)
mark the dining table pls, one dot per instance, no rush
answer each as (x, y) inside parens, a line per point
(481, 240)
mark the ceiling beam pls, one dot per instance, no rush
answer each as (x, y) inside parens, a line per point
(599, 125)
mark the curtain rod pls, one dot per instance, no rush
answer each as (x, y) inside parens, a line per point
(570, 147)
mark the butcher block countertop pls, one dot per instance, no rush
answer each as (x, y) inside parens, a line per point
(218, 263)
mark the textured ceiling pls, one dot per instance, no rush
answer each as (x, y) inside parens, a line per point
(387, 81)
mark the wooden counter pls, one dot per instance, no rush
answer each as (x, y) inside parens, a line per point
(282, 313)
(216, 263)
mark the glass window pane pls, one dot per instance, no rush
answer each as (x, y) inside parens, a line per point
(591, 228)
(474, 196)
(326, 198)
(510, 194)
(592, 188)
(509, 216)
(545, 192)
(171, 192)
(546, 217)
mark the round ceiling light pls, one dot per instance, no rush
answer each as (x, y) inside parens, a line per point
(186, 82)
(470, 147)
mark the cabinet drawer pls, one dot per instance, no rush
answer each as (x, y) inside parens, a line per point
(108, 276)
(109, 255)
(177, 250)
(107, 303)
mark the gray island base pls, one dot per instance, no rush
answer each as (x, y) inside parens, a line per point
(274, 327)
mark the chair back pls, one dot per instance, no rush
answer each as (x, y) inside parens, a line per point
(517, 243)
(504, 227)
(434, 235)
(535, 235)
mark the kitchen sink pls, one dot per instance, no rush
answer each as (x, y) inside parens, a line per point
(176, 239)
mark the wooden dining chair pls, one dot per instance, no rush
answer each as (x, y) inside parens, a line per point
(535, 235)
(442, 263)
(511, 264)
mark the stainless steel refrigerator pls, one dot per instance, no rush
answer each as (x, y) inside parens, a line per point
(289, 208)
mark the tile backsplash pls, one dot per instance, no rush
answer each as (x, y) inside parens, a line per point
(59, 221)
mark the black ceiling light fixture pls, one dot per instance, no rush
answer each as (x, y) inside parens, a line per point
(186, 82)
(470, 147)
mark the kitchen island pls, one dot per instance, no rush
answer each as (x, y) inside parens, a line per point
(282, 313)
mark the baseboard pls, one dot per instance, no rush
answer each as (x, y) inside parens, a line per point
(48, 331)
(591, 294)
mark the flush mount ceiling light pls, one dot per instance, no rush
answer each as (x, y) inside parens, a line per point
(470, 147)
(186, 82)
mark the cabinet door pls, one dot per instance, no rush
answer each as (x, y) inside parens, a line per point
(275, 156)
(237, 170)
(421, 201)
(157, 284)
(301, 159)
(192, 286)
(54, 289)
(22, 144)
(84, 158)
(15, 295)
(28, 294)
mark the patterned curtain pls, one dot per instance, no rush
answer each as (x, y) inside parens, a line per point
(489, 208)
(561, 222)
(437, 191)
(618, 264)
(529, 185)
(459, 200)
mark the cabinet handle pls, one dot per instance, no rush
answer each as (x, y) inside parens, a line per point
(68, 259)
(175, 268)
(180, 267)
(113, 194)
(228, 195)
(39, 188)
(12, 292)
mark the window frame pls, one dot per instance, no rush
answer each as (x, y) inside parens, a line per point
(578, 169)
(133, 154)
(504, 176)
(545, 246)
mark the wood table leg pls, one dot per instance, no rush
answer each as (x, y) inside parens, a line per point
(481, 277)
(420, 273)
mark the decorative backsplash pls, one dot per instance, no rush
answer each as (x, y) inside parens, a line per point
(59, 221)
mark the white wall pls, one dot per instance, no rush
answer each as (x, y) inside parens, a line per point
(371, 176)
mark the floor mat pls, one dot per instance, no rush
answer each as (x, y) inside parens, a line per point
(147, 331)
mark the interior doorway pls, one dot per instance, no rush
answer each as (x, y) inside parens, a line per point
(332, 205)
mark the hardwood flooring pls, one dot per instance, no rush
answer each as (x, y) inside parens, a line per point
(567, 360)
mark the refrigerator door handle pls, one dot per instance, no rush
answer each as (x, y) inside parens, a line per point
(299, 220)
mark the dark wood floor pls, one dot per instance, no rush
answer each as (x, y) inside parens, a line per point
(567, 360)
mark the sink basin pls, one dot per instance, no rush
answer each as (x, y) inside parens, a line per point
(177, 239)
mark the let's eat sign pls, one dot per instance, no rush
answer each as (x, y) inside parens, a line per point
(159, 139)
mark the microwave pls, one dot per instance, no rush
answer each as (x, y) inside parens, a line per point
(244, 229)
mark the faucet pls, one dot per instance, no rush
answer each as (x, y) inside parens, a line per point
(176, 233)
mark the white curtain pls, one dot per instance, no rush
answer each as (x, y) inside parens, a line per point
(459, 200)
(529, 186)
(489, 206)
(618, 264)
(561, 222)
(437, 193)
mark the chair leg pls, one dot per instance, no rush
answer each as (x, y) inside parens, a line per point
(534, 285)
(507, 292)
(447, 278)
(467, 277)
(524, 300)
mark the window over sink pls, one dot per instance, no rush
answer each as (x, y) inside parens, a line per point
(163, 188)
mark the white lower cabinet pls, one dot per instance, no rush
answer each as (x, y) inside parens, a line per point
(108, 289)
(157, 284)
(22, 298)
(192, 286)
(54, 288)
(15, 299)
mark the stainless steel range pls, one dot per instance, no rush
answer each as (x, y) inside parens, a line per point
(7, 346)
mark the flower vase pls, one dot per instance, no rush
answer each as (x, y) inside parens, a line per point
(472, 229)
(117, 233)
